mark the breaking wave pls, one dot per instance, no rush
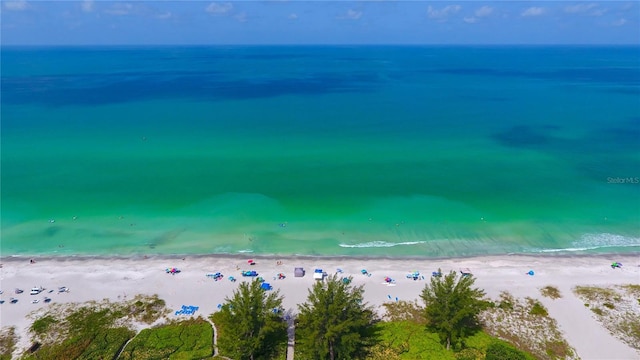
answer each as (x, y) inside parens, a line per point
(598, 241)
(380, 244)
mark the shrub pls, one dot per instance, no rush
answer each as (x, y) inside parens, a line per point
(550, 292)
(597, 311)
(538, 309)
(500, 351)
(42, 325)
(8, 339)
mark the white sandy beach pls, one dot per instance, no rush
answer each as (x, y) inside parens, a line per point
(119, 278)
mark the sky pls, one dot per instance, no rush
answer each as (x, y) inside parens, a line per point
(95, 22)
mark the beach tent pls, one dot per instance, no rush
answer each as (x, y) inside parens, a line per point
(299, 272)
(266, 286)
(318, 274)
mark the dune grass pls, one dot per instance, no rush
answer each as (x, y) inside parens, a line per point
(8, 339)
(551, 292)
(188, 339)
(526, 324)
(617, 308)
(92, 330)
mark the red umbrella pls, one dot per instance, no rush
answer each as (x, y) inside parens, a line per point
(250, 261)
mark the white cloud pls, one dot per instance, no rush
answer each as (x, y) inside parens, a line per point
(164, 16)
(470, 20)
(627, 6)
(293, 16)
(353, 14)
(443, 13)
(484, 11)
(619, 22)
(241, 17)
(87, 6)
(119, 9)
(219, 8)
(579, 8)
(585, 9)
(16, 5)
(533, 11)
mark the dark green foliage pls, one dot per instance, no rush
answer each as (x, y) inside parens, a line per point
(501, 351)
(334, 323)
(409, 340)
(452, 307)
(247, 325)
(538, 309)
(189, 339)
(42, 325)
(8, 339)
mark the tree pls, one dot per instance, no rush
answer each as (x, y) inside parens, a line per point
(250, 323)
(334, 323)
(452, 307)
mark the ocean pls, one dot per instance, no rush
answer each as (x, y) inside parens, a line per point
(394, 151)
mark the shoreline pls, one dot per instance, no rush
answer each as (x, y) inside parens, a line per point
(217, 256)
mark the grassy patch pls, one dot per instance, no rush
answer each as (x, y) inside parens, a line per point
(8, 339)
(93, 330)
(538, 309)
(551, 292)
(617, 309)
(597, 311)
(189, 339)
(42, 325)
(526, 324)
(596, 294)
(400, 340)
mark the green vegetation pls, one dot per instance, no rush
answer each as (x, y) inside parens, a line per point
(404, 310)
(90, 331)
(550, 292)
(189, 339)
(452, 307)
(538, 309)
(408, 340)
(526, 324)
(250, 324)
(42, 325)
(596, 294)
(334, 323)
(616, 309)
(597, 311)
(501, 351)
(8, 339)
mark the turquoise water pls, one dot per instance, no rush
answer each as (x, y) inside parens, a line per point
(365, 151)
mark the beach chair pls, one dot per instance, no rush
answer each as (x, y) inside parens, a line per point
(465, 272)
(436, 274)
